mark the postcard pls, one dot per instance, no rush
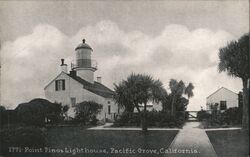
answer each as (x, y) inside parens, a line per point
(134, 78)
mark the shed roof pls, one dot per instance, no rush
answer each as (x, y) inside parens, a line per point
(219, 90)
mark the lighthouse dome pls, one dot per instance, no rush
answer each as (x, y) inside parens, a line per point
(83, 45)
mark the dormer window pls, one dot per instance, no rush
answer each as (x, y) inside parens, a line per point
(60, 85)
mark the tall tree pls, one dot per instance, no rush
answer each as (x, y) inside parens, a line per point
(235, 60)
(178, 89)
(139, 89)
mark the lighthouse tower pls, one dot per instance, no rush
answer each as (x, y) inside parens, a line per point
(84, 65)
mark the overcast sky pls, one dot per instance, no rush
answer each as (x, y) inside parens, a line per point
(166, 39)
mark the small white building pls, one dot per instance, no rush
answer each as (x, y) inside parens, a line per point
(224, 98)
(78, 85)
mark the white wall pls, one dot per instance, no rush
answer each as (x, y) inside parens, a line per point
(75, 89)
(223, 95)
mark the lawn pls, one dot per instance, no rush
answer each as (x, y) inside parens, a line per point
(230, 143)
(75, 137)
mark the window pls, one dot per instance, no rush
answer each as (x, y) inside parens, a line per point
(60, 85)
(73, 101)
(109, 109)
(223, 105)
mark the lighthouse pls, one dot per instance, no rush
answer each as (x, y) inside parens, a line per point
(84, 65)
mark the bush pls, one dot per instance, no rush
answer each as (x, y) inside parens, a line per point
(22, 137)
(154, 119)
(37, 110)
(87, 111)
(128, 119)
(203, 115)
(232, 116)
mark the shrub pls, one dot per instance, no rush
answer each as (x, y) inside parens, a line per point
(154, 118)
(128, 119)
(37, 110)
(232, 116)
(87, 111)
(203, 115)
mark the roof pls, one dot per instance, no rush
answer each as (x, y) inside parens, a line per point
(96, 88)
(83, 45)
(219, 90)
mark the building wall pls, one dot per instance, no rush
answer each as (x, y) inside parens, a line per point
(74, 89)
(223, 95)
(89, 96)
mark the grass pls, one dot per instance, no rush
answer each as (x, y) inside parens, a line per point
(230, 143)
(105, 139)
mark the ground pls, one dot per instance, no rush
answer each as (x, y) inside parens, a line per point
(230, 143)
(106, 139)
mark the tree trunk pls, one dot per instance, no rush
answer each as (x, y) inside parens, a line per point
(144, 119)
(173, 107)
(245, 112)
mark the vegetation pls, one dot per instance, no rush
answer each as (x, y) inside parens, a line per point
(217, 118)
(87, 111)
(37, 112)
(154, 119)
(235, 60)
(176, 100)
(138, 90)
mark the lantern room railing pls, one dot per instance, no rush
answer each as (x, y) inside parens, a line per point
(84, 63)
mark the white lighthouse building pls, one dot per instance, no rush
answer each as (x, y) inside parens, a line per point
(79, 85)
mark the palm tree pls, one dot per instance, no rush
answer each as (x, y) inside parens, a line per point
(235, 60)
(177, 90)
(139, 89)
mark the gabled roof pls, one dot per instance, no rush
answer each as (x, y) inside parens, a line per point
(219, 90)
(96, 88)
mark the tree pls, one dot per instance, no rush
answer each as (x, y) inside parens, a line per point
(3, 116)
(138, 90)
(38, 110)
(235, 60)
(178, 89)
(87, 111)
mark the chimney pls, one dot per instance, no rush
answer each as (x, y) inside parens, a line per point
(64, 67)
(99, 79)
(72, 73)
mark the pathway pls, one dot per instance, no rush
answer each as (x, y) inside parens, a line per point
(107, 126)
(192, 141)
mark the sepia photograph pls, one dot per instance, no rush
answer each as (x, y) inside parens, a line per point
(124, 78)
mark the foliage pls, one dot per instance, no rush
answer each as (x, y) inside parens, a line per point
(87, 111)
(37, 110)
(235, 60)
(3, 115)
(231, 116)
(139, 89)
(155, 119)
(203, 115)
(176, 101)
(22, 137)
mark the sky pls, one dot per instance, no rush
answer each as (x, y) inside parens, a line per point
(166, 39)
